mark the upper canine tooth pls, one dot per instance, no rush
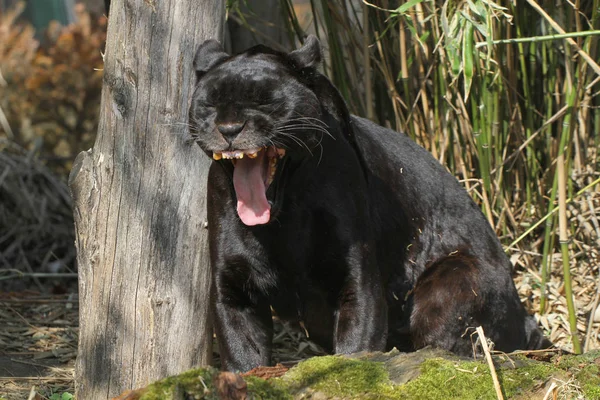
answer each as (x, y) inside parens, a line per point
(217, 156)
(252, 155)
(281, 152)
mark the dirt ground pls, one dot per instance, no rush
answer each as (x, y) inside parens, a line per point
(38, 337)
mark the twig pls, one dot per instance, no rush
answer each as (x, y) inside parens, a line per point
(5, 125)
(490, 362)
(75, 299)
(32, 393)
(20, 274)
(551, 391)
(35, 378)
(594, 220)
(530, 351)
(28, 266)
(590, 327)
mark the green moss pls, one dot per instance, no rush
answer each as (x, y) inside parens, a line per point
(589, 378)
(526, 377)
(194, 382)
(261, 389)
(442, 379)
(199, 383)
(591, 391)
(570, 361)
(342, 377)
(586, 370)
(439, 379)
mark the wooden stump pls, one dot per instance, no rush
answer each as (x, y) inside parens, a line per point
(139, 204)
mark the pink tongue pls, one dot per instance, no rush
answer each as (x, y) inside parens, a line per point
(249, 183)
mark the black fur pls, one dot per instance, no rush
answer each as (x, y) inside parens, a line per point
(370, 242)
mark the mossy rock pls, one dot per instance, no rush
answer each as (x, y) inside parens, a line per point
(426, 374)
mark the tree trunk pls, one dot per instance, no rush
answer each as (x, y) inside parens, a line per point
(139, 204)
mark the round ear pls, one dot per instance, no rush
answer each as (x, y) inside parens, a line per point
(309, 55)
(209, 54)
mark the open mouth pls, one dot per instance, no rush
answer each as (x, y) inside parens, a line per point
(254, 171)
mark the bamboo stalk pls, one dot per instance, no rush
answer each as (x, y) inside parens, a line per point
(529, 151)
(560, 30)
(564, 246)
(367, 64)
(548, 245)
(543, 38)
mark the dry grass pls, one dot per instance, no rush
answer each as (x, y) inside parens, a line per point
(35, 213)
(38, 335)
(584, 250)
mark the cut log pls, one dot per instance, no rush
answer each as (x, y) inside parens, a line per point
(139, 204)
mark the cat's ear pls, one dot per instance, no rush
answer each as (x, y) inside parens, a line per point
(309, 55)
(209, 54)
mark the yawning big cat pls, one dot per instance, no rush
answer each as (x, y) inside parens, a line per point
(343, 226)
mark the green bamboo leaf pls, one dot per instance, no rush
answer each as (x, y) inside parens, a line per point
(455, 61)
(481, 27)
(467, 58)
(404, 7)
(444, 19)
(478, 9)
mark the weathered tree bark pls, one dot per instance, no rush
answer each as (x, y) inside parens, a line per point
(139, 204)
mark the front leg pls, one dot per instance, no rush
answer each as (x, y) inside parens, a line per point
(241, 313)
(361, 319)
(243, 324)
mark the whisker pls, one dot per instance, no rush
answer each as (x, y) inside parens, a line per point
(297, 140)
(291, 129)
(305, 120)
(312, 119)
(302, 123)
(276, 108)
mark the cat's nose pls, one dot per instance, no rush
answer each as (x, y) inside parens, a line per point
(230, 130)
